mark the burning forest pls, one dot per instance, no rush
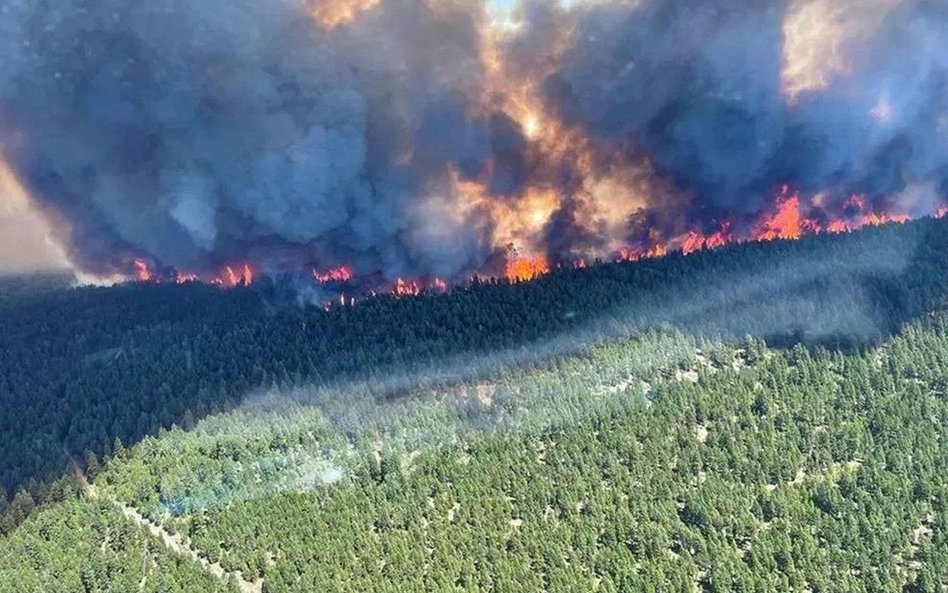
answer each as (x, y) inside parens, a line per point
(407, 145)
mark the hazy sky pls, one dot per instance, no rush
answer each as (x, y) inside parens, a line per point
(24, 242)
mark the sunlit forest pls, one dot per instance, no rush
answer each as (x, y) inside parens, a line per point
(763, 417)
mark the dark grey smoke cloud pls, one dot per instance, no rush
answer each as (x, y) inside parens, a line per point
(195, 132)
(696, 85)
(202, 132)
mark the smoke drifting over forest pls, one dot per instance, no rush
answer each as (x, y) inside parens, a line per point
(431, 139)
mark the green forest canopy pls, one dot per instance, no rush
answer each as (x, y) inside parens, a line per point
(642, 441)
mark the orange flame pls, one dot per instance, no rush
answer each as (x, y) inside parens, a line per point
(609, 190)
(861, 216)
(233, 277)
(838, 226)
(185, 278)
(335, 275)
(875, 219)
(406, 288)
(143, 272)
(693, 242)
(720, 238)
(787, 223)
(789, 220)
(247, 275)
(629, 254)
(525, 269)
(696, 241)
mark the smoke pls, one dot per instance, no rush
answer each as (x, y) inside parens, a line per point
(733, 99)
(420, 138)
(197, 133)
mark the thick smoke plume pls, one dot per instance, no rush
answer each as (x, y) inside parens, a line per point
(195, 133)
(430, 139)
(733, 98)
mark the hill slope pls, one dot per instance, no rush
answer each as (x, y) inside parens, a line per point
(646, 465)
(602, 429)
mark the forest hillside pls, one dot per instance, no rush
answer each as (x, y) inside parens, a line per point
(765, 417)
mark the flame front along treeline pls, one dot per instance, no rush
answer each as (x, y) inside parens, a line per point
(404, 146)
(790, 219)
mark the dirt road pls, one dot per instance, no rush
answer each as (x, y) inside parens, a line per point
(173, 542)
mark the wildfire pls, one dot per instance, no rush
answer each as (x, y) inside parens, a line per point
(605, 193)
(873, 219)
(239, 276)
(837, 226)
(629, 254)
(185, 278)
(792, 220)
(788, 223)
(234, 276)
(720, 238)
(406, 288)
(792, 217)
(859, 216)
(546, 175)
(143, 272)
(338, 275)
(525, 269)
(696, 241)
(603, 190)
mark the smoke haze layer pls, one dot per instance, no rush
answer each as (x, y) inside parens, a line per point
(421, 138)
